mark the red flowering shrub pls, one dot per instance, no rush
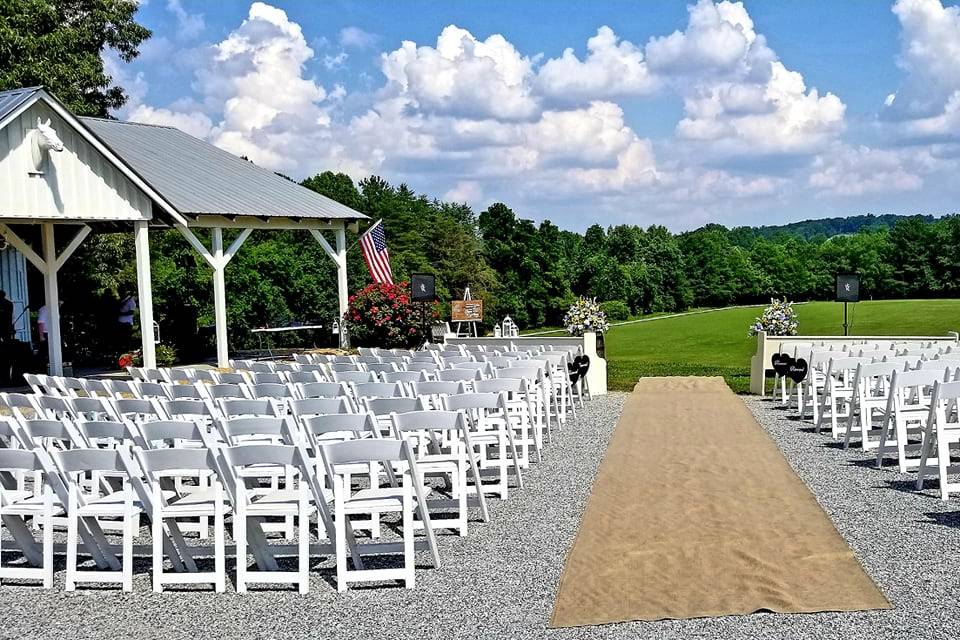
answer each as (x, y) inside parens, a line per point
(382, 315)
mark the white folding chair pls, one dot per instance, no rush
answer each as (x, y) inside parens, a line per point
(172, 505)
(442, 446)
(96, 503)
(407, 498)
(19, 505)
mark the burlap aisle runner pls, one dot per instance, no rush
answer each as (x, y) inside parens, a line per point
(696, 513)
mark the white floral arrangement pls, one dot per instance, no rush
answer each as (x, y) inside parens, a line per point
(779, 319)
(585, 315)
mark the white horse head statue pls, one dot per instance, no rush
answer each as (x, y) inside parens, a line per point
(47, 137)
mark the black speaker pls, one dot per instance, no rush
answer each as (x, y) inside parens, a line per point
(848, 287)
(422, 287)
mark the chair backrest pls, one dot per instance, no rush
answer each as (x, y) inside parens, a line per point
(305, 407)
(449, 361)
(121, 388)
(184, 391)
(54, 407)
(423, 366)
(137, 408)
(437, 387)
(229, 377)
(354, 376)
(500, 385)
(384, 450)
(176, 462)
(261, 407)
(455, 375)
(532, 374)
(237, 430)
(468, 401)
(20, 460)
(151, 390)
(320, 390)
(302, 377)
(267, 378)
(485, 368)
(426, 421)
(341, 425)
(275, 390)
(407, 377)
(382, 367)
(377, 390)
(187, 409)
(345, 367)
(72, 387)
(105, 432)
(879, 369)
(96, 388)
(226, 390)
(90, 408)
(149, 433)
(386, 406)
(71, 461)
(35, 431)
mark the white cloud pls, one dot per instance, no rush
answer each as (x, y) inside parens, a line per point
(925, 108)
(189, 25)
(719, 39)
(356, 38)
(738, 97)
(468, 191)
(611, 68)
(474, 118)
(463, 76)
(855, 171)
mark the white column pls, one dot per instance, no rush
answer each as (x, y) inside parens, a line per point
(343, 292)
(52, 299)
(220, 298)
(145, 292)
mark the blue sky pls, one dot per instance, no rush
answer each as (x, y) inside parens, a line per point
(642, 112)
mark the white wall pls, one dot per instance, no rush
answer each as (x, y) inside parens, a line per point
(77, 182)
(13, 280)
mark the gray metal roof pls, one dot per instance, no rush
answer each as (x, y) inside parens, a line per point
(10, 100)
(197, 178)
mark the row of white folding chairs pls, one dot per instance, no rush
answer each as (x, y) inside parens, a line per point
(902, 404)
(808, 393)
(464, 402)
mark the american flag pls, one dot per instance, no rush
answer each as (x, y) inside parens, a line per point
(373, 243)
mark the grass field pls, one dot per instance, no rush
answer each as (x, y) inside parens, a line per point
(716, 343)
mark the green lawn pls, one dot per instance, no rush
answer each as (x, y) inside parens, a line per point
(716, 343)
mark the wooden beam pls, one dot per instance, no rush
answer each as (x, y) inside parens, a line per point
(197, 245)
(18, 243)
(326, 245)
(73, 245)
(235, 246)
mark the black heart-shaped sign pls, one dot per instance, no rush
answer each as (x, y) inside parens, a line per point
(781, 363)
(798, 370)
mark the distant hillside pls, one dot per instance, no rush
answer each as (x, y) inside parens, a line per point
(828, 227)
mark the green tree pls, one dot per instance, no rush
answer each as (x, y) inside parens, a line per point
(59, 43)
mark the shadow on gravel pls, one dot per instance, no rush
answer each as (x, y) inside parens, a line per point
(910, 486)
(945, 519)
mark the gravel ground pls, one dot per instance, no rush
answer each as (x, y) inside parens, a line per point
(500, 581)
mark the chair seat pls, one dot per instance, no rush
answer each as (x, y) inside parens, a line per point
(282, 502)
(108, 505)
(24, 503)
(194, 503)
(382, 499)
